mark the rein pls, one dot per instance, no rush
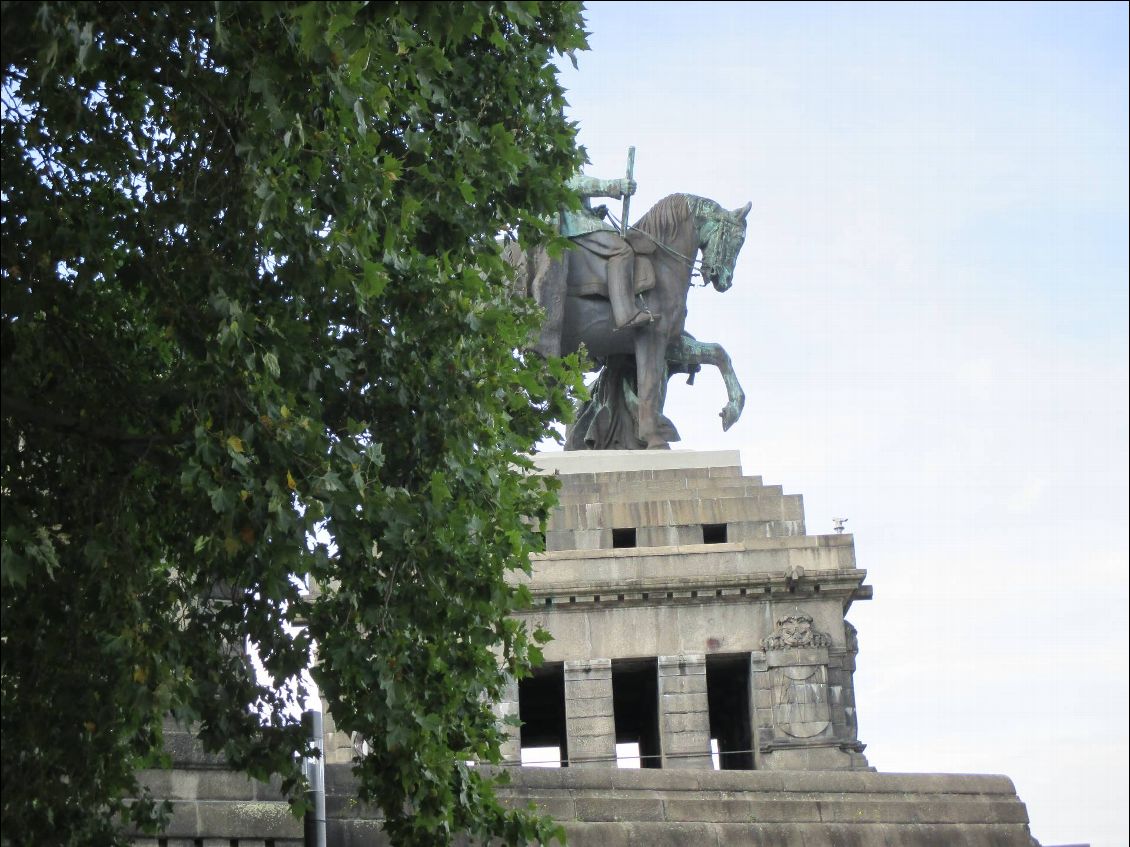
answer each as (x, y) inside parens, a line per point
(694, 263)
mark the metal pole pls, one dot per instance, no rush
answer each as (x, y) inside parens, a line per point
(314, 824)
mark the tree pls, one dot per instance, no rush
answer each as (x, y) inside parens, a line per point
(255, 326)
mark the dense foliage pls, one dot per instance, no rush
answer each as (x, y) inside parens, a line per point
(252, 297)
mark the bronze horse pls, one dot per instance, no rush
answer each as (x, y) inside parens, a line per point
(670, 235)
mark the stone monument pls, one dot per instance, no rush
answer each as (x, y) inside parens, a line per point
(700, 685)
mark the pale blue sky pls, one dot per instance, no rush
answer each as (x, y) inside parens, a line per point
(930, 321)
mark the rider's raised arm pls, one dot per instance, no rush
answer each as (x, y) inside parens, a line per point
(590, 186)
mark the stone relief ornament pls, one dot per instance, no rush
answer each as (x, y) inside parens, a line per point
(800, 700)
(795, 631)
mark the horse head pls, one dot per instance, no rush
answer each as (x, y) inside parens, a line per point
(721, 235)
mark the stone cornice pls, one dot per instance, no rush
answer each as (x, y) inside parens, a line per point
(847, 585)
(789, 542)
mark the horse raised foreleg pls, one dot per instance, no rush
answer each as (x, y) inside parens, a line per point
(688, 352)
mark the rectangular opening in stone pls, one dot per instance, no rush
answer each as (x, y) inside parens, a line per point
(541, 757)
(541, 708)
(628, 755)
(714, 533)
(731, 726)
(624, 537)
(635, 706)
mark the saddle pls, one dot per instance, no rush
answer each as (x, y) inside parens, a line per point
(548, 281)
(588, 269)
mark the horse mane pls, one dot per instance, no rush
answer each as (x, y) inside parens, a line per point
(664, 218)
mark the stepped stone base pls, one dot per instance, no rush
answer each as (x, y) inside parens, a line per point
(801, 808)
(612, 807)
(679, 808)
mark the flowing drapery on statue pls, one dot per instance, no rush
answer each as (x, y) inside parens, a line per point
(574, 292)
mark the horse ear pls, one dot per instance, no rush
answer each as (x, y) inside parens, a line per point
(743, 211)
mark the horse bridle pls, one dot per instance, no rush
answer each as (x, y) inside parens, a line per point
(723, 234)
(698, 266)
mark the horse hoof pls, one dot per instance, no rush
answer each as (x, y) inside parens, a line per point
(659, 445)
(729, 418)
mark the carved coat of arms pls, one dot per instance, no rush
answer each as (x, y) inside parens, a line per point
(801, 706)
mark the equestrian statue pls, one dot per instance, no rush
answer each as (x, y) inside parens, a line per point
(622, 294)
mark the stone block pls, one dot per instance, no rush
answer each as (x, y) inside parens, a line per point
(690, 684)
(592, 539)
(807, 759)
(592, 751)
(585, 727)
(561, 808)
(346, 806)
(750, 530)
(669, 536)
(792, 658)
(590, 707)
(688, 741)
(560, 539)
(682, 666)
(676, 703)
(587, 689)
(688, 721)
(229, 819)
(723, 807)
(182, 784)
(354, 833)
(588, 669)
(727, 470)
(619, 809)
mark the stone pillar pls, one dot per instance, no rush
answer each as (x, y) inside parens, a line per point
(507, 710)
(684, 716)
(794, 700)
(590, 726)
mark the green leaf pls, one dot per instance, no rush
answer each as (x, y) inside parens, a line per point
(375, 279)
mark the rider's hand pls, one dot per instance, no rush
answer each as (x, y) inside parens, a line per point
(627, 187)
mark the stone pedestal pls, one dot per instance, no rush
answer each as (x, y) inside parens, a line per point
(679, 560)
